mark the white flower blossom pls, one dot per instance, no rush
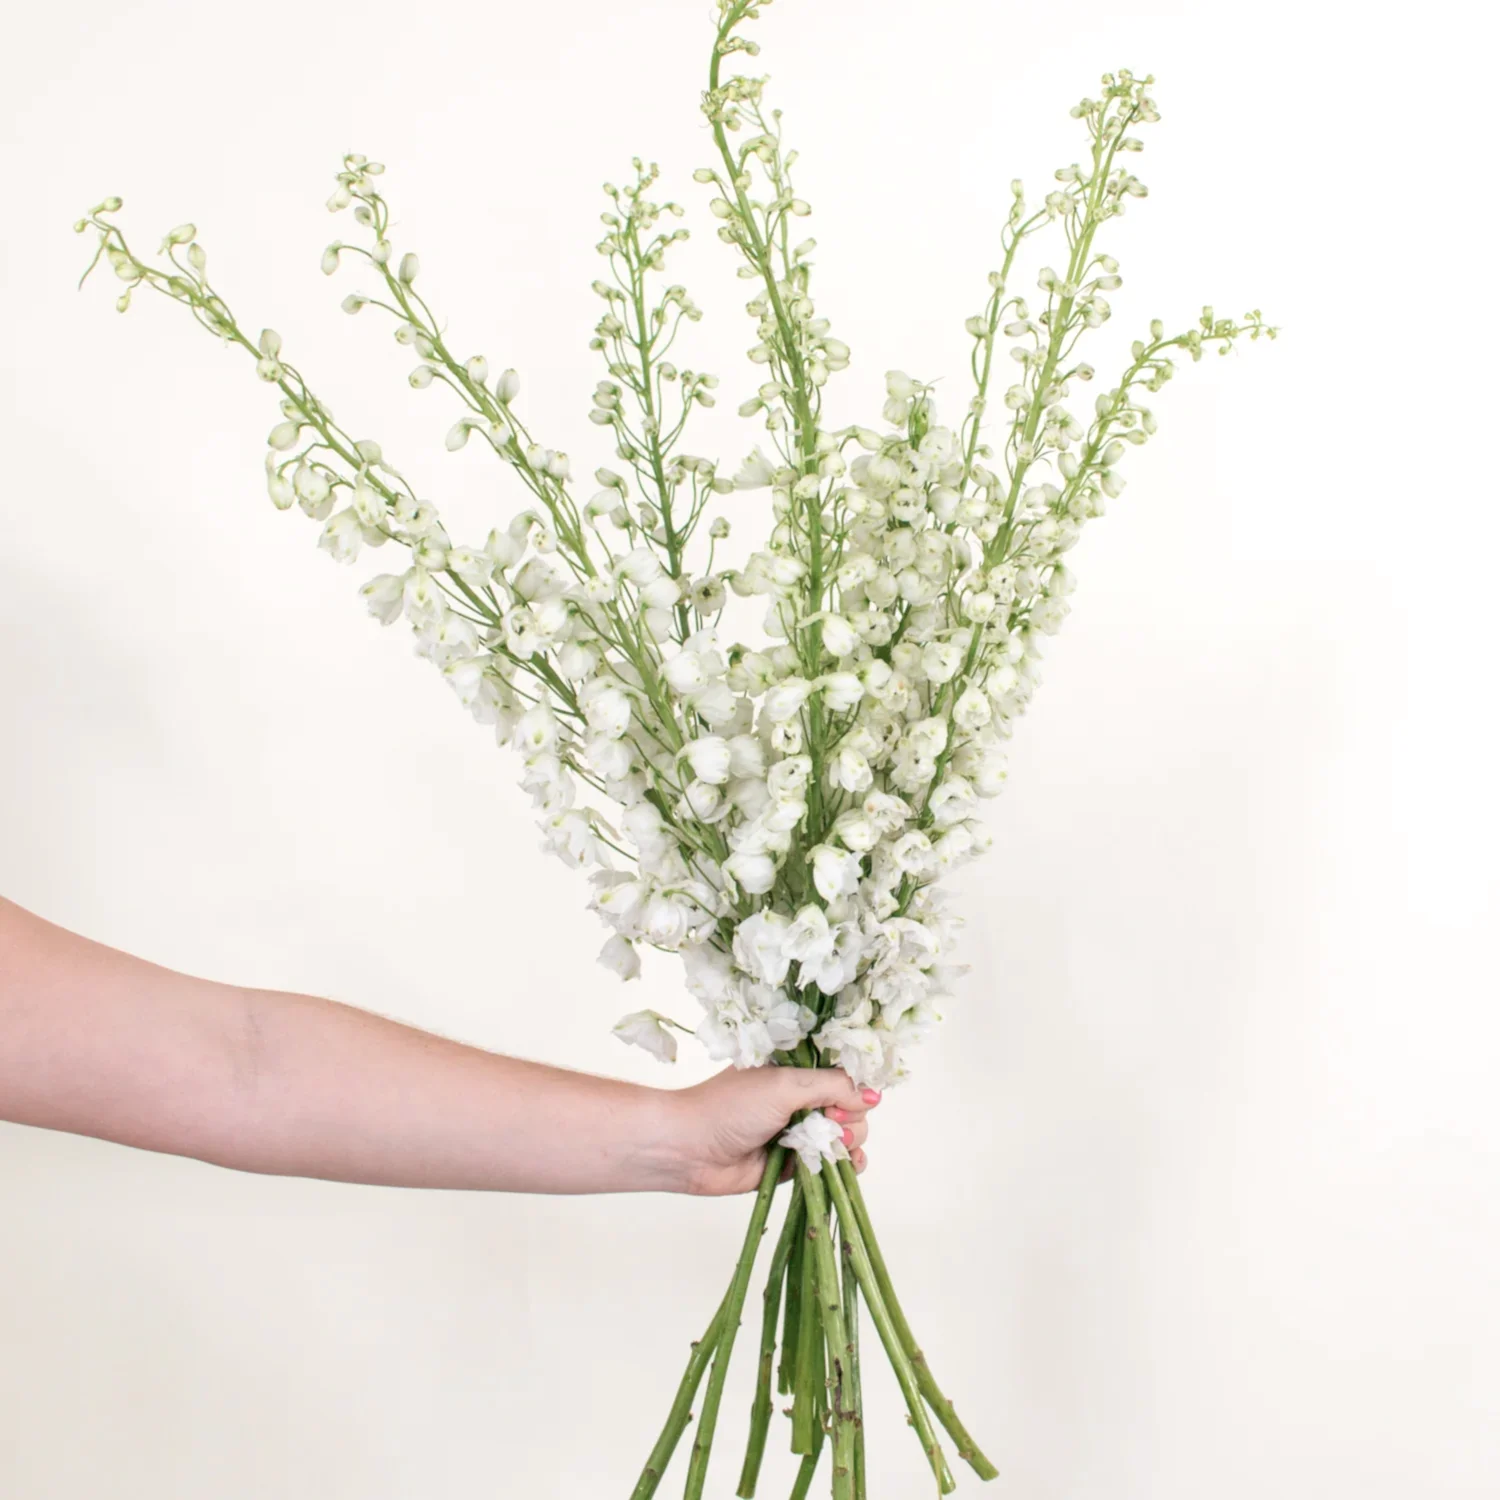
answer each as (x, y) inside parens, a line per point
(815, 1138)
(645, 1028)
(754, 872)
(760, 946)
(841, 691)
(755, 473)
(710, 758)
(835, 871)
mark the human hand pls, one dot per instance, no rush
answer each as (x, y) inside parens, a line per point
(725, 1124)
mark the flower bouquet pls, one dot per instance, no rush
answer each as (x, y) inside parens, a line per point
(780, 815)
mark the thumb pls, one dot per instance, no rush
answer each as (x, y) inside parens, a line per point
(821, 1088)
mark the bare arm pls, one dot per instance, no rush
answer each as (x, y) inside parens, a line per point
(99, 1043)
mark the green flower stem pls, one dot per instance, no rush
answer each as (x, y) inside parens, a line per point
(760, 1408)
(807, 1379)
(807, 1468)
(835, 1334)
(786, 1374)
(856, 1401)
(885, 1326)
(942, 1407)
(681, 1413)
(733, 1303)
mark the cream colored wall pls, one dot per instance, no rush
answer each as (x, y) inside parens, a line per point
(1196, 1194)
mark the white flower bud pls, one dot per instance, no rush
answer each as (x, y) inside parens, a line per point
(283, 495)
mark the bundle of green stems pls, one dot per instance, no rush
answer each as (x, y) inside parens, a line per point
(825, 1266)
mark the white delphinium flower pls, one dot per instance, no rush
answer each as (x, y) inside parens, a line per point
(618, 955)
(752, 870)
(785, 699)
(841, 691)
(835, 871)
(755, 473)
(851, 1043)
(385, 597)
(827, 955)
(850, 771)
(673, 917)
(760, 946)
(710, 758)
(815, 1138)
(645, 1028)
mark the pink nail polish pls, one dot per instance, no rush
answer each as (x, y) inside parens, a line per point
(848, 1136)
(835, 1114)
(870, 1096)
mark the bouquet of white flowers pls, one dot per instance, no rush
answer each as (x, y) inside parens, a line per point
(778, 815)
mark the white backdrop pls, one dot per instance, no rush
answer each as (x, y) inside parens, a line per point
(1211, 1139)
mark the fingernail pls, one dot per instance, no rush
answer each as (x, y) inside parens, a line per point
(835, 1114)
(870, 1096)
(848, 1136)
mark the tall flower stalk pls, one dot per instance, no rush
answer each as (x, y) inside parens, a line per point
(780, 815)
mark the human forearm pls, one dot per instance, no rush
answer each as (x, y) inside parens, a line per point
(101, 1043)
(330, 1091)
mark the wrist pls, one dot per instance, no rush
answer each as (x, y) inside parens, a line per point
(666, 1153)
